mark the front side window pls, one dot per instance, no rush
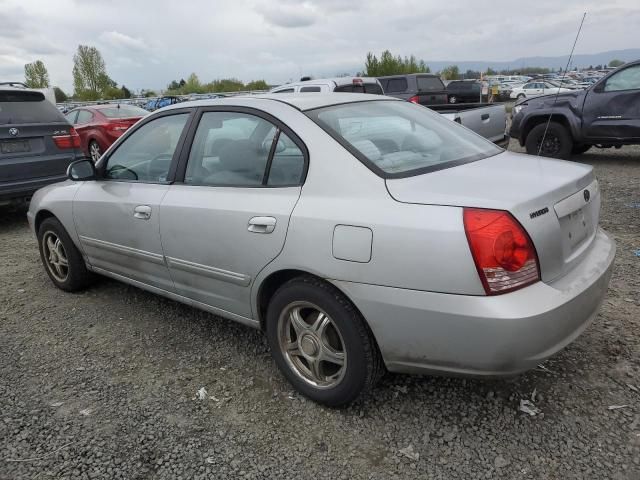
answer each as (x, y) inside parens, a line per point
(401, 139)
(146, 154)
(627, 79)
(233, 148)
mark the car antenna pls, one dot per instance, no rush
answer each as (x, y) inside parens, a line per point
(544, 135)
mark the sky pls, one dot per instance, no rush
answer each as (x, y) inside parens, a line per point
(148, 43)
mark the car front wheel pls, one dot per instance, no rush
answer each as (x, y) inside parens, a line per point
(553, 141)
(321, 343)
(61, 259)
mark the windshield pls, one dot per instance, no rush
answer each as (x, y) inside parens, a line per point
(123, 111)
(398, 139)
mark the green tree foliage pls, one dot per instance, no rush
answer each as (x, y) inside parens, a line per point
(193, 85)
(387, 64)
(150, 93)
(60, 95)
(257, 85)
(452, 72)
(126, 93)
(36, 75)
(471, 74)
(90, 79)
(615, 63)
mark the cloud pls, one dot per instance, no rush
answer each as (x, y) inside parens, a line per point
(121, 40)
(289, 15)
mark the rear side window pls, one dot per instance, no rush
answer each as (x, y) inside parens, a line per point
(84, 116)
(18, 107)
(426, 84)
(309, 89)
(372, 88)
(286, 90)
(397, 85)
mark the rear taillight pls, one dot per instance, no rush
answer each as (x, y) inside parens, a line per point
(117, 127)
(415, 99)
(72, 140)
(503, 252)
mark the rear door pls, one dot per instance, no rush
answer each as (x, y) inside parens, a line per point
(612, 108)
(228, 216)
(30, 126)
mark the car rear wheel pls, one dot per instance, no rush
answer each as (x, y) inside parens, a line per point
(94, 151)
(61, 259)
(521, 96)
(321, 343)
(554, 141)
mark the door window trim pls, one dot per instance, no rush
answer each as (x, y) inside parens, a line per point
(102, 163)
(279, 125)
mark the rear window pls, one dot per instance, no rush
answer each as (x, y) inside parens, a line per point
(123, 111)
(309, 89)
(426, 84)
(373, 88)
(400, 139)
(397, 85)
(18, 107)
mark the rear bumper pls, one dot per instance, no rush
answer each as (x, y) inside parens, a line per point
(426, 332)
(23, 189)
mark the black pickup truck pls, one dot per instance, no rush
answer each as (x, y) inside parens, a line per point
(604, 115)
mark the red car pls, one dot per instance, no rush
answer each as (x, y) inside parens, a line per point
(100, 125)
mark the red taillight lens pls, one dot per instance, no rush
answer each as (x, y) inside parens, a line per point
(117, 128)
(72, 140)
(415, 99)
(503, 252)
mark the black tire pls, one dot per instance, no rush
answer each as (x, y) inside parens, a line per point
(579, 148)
(521, 96)
(557, 142)
(363, 365)
(77, 276)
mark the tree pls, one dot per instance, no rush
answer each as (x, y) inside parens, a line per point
(390, 65)
(60, 95)
(90, 77)
(256, 85)
(491, 71)
(193, 85)
(450, 73)
(126, 93)
(615, 63)
(36, 75)
(150, 93)
(471, 74)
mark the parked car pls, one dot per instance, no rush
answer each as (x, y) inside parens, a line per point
(339, 84)
(36, 143)
(464, 91)
(156, 103)
(100, 125)
(536, 89)
(397, 252)
(421, 88)
(605, 114)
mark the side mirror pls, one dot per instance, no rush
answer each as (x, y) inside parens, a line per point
(81, 170)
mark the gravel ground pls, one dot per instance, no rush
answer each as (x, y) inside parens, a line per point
(102, 384)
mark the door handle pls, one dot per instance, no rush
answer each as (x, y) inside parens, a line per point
(484, 116)
(262, 224)
(143, 212)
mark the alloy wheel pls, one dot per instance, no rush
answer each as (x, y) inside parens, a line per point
(550, 146)
(312, 345)
(94, 151)
(55, 257)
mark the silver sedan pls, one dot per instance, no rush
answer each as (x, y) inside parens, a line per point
(359, 233)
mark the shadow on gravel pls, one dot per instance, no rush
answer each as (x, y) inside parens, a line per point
(13, 216)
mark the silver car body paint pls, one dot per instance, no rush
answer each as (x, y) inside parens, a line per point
(403, 259)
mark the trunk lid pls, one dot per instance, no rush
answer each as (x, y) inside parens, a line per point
(548, 197)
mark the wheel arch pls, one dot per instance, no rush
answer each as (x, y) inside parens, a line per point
(41, 216)
(533, 122)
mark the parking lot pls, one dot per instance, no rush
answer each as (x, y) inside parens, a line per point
(104, 384)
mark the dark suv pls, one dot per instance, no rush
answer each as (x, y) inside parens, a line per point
(420, 88)
(36, 143)
(464, 91)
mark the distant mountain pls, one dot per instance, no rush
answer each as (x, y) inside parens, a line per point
(578, 61)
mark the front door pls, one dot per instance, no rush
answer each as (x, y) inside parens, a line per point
(612, 108)
(228, 218)
(118, 216)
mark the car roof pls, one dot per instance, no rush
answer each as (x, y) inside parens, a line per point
(298, 101)
(338, 81)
